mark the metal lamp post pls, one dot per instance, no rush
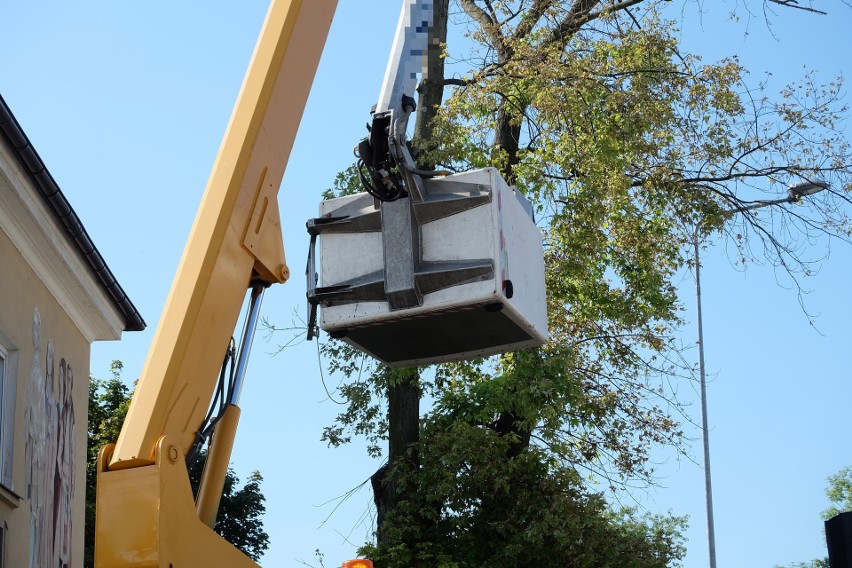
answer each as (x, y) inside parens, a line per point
(794, 194)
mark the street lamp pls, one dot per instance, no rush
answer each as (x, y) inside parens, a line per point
(794, 194)
(804, 188)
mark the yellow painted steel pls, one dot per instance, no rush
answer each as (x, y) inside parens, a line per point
(216, 467)
(157, 525)
(221, 257)
(146, 515)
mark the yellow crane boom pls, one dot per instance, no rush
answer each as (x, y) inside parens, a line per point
(146, 514)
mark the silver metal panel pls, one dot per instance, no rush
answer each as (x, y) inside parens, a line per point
(464, 265)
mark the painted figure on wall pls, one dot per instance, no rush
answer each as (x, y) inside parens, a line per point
(45, 476)
(64, 474)
(34, 416)
(49, 417)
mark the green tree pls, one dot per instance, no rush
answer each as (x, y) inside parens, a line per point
(240, 519)
(108, 403)
(627, 146)
(816, 563)
(839, 494)
(476, 508)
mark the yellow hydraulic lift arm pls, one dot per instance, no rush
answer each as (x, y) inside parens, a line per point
(146, 515)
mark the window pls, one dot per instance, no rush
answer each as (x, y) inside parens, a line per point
(8, 395)
(2, 378)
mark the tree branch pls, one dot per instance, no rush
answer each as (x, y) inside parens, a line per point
(452, 81)
(795, 4)
(531, 18)
(572, 22)
(581, 13)
(488, 24)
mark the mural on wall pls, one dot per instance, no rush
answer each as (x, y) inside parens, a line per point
(49, 425)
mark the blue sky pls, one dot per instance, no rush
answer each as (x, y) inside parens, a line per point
(127, 103)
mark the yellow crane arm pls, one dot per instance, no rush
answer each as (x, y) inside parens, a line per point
(145, 511)
(236, 235)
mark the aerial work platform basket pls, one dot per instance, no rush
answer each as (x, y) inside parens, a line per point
(453, 272)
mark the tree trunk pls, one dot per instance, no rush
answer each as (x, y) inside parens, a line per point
(404, 387)
(403, 436)
(431, 89)
(507, 136)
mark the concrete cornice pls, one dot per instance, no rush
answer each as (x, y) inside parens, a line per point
(34, 232)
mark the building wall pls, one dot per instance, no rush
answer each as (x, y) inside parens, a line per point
(43, 418)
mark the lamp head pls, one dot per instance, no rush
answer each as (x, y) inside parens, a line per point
(805, 187)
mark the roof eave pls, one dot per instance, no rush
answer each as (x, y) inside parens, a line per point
(66, 217)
